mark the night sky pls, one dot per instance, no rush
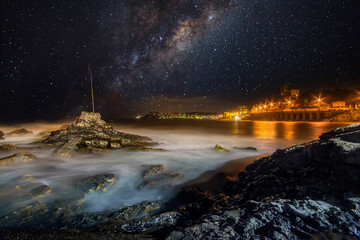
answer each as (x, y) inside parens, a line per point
(175, 55)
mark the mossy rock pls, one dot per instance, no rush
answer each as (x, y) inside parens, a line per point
(220, 148)
(8, 147)
(20, 131)
(97, 183)
(156, 175)
(145, 208)
(17, 159)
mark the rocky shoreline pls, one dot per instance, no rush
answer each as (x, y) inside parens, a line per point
(307, 191)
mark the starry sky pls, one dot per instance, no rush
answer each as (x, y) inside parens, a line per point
(170, 55)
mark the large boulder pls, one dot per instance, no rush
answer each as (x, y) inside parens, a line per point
(17, 159)
(97, 183)
(21, 131)
(89, 133)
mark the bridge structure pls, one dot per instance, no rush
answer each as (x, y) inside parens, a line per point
(296, 115)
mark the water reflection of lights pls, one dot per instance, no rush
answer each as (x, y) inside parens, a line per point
(235, 127)
(264, 130)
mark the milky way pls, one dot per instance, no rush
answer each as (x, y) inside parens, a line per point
(175, 55)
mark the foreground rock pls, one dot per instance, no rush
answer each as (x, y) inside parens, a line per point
(17, 159)
(21, 131)
(90, 133)
(97, 183)
(157, 175)
(302, 192)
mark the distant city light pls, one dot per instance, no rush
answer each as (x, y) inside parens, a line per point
(236, 118)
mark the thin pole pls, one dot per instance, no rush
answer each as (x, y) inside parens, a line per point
(92, 89)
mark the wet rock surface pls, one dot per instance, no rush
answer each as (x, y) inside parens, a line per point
(246, 148)
(17, 158)
(40, 191)
(219, 148)
(155, 175)
(89, 133)
(8, 147)
(97, 183)
(21, 131)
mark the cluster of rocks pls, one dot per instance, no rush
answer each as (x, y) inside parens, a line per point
(307, 191)
(65, 213)
(90, 133)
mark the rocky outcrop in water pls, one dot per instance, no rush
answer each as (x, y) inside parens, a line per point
(97, 183)
(17, 159)
(21, 131)
(1, 135)
(306, 191)
(8, 148)
(89, 133)
(219, 148)
(157, 175)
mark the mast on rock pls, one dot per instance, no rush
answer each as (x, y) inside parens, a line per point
(92, 88)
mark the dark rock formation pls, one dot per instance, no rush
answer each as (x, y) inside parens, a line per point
(156, 175)
(17, 159)
(1, 135)
(307, 191)
(21, 131)
(90, 133)
(220, 148)
(40, 191)
(97, 183)
(246, 148)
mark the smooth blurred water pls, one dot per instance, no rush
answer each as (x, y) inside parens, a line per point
(190, 143)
